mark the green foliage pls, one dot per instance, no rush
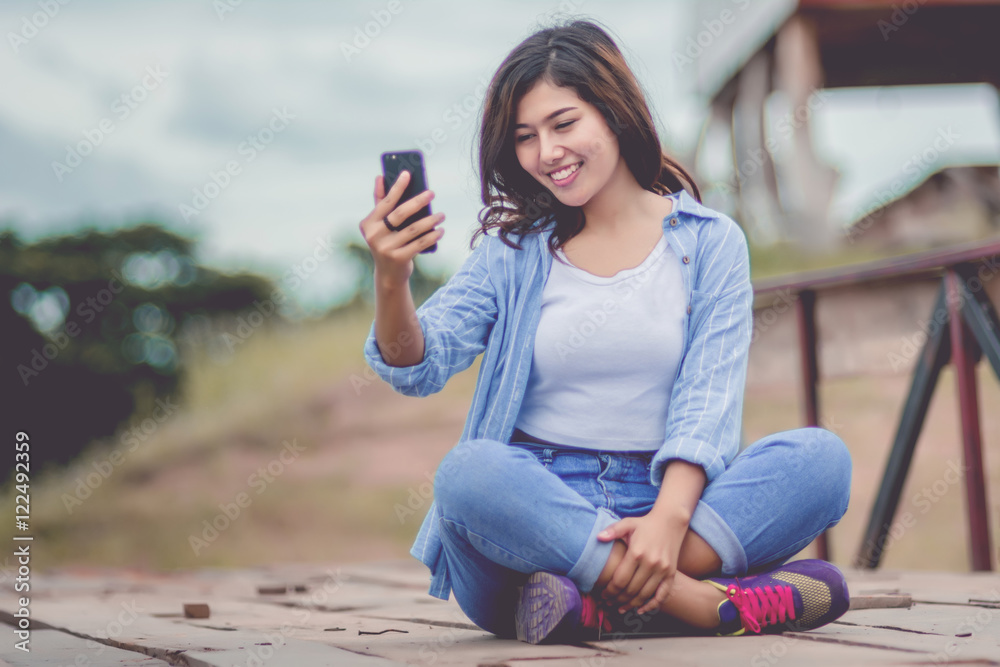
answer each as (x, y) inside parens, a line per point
(92, 326)
(95, 325)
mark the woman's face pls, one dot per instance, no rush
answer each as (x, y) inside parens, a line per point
(564, 143)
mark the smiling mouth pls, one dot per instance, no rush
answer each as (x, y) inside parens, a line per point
(565, 172)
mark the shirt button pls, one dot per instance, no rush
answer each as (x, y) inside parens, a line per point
(689, 310)
(687, 260)
(673, 222)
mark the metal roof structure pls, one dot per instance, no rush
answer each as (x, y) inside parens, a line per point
(746, 51)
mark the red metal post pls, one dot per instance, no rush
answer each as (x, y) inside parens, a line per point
(964, 361)
(805, 312)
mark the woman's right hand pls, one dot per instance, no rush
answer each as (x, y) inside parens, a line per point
(393, 252)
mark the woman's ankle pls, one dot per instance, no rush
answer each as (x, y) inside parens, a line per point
(694, 602)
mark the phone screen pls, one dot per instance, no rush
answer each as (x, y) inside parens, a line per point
(395, 162)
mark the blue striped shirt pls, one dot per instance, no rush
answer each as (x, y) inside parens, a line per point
(492, 306)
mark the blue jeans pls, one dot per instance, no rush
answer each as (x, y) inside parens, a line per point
(508, 510)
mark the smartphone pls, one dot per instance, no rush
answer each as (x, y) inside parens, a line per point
(395, 162)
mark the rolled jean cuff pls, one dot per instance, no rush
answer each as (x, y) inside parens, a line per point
(595, 554)
(710, 526)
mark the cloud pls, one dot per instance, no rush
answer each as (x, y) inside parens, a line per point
(226, 77)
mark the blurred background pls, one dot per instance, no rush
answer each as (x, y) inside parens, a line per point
(184, 294)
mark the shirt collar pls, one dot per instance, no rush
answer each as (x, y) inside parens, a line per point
(689, 205)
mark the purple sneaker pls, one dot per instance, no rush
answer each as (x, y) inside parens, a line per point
(801, 595)
(551, 609)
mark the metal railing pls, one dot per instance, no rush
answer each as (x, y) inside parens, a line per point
(968, 329)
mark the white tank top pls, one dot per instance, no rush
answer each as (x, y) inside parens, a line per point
(606, 355)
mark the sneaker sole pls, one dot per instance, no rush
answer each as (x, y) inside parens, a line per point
(542, 605)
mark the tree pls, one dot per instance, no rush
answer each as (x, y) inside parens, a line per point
(91, 325)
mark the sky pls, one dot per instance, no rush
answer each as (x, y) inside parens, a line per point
(256, 126)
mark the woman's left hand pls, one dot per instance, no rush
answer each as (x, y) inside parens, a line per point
(645, 575)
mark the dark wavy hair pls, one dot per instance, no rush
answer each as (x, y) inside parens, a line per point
(579, 55)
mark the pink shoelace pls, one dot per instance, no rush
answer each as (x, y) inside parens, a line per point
(762, 606)
(593, 615)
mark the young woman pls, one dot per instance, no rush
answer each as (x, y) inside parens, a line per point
(596, 485)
